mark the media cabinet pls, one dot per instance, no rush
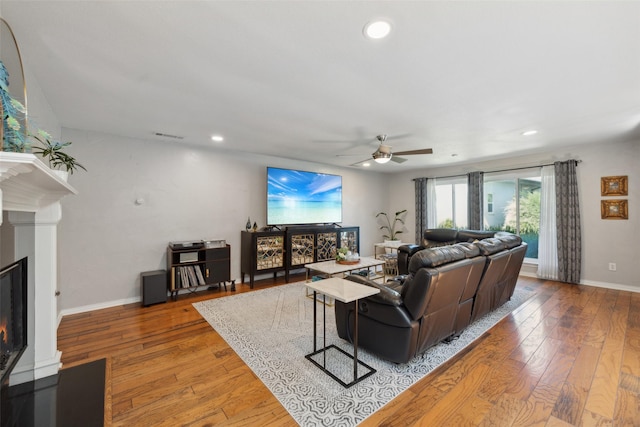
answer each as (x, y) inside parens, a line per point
(293, 247)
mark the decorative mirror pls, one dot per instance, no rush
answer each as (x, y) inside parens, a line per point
(13, 93)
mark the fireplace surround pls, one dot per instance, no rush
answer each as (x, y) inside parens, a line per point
(30, 199)
(13, 316)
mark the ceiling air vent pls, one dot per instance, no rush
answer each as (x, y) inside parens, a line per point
(166, 135)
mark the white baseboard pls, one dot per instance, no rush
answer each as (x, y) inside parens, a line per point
(606, 285)
(614, 286)
(92, 307)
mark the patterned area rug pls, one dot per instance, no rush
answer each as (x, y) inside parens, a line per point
(272, 331)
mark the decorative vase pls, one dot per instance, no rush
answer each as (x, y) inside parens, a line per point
(64, 175)
(248, 225)
(391, 249)
(255, 226)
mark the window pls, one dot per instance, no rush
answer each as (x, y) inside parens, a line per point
(451, 196)
(513, 200)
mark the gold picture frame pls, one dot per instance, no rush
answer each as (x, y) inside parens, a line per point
(614, 185)
(614, 209)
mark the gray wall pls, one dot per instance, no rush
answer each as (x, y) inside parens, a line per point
(603, 241)
(106, 240)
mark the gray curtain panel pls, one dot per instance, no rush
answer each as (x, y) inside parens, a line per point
(475, 183)
(421, 207)
(568, 222)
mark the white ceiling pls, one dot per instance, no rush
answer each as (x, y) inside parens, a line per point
(297, 79)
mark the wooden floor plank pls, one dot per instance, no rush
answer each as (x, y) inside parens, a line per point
(570, 355)
(573, 396)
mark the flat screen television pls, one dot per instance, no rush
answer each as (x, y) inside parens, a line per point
(297, 197)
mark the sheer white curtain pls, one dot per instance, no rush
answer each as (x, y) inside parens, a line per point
(548, 244)
(432, 211)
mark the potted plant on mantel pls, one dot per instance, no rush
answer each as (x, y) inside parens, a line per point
(390, 226)
(52, 151)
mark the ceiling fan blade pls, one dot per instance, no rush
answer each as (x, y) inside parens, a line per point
(354, 142)
(410, 152)
(398, 159)
(360, 162)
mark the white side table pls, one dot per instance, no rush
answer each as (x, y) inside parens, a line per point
(389, 255)
(345, 291)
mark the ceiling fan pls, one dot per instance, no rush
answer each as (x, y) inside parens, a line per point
(384, 153)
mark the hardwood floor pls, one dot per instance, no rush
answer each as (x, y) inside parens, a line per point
(569, 356)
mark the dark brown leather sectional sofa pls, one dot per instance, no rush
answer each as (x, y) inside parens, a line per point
(447, 288)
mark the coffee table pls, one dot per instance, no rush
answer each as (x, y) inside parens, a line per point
(332, 267)
(345, 291)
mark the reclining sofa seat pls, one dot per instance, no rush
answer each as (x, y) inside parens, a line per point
(399, 325)
(505, 254)
(435, 237)
(406, 318)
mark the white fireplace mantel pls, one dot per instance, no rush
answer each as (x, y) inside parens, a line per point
(31, 193)
(27, 184)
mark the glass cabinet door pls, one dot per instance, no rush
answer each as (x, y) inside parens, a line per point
(270, 252)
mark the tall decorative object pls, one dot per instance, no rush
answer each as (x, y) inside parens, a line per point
(255, 226)
(248, 225)
(13, 103)
(13, 112)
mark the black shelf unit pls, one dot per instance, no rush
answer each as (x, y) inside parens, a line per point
(192, 267)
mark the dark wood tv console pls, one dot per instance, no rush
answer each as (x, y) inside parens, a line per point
(293, 247)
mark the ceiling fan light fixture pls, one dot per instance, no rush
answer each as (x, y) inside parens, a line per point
(377, 29)
(380, 157)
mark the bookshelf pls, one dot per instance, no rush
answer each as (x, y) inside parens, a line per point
(197, 265)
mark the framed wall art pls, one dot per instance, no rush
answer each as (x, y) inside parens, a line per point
(614, 185)
(614, 209)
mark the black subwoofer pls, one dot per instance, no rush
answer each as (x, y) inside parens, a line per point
(154, 287)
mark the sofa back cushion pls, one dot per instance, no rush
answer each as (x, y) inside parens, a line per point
(510, 240)
(433, 237)
(490, 246)
(434, 257)
(432, 289)
(473, 235)
(470, 250)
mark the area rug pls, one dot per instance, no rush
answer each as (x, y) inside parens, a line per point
(272, 331)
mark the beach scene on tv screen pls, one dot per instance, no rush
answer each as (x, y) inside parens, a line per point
(299, 197)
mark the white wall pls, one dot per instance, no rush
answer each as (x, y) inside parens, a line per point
(106, 240)
(603, 241)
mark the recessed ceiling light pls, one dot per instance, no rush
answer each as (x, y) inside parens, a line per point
(529, 132)
(217, 138)
(366, 164)
(377, 29)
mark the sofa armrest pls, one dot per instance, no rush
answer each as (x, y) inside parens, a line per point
(404, 254)
(409, 249)
(386, 296)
